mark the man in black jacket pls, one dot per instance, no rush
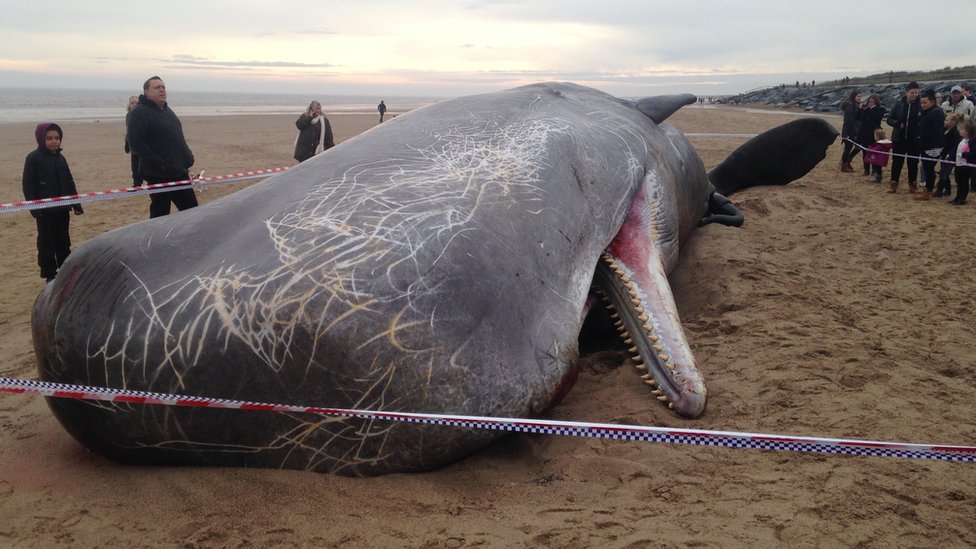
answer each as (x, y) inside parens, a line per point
(155, 135)
(904, 137)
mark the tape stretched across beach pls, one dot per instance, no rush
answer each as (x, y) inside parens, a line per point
(910, 157)
(696, 437)
(69, 200)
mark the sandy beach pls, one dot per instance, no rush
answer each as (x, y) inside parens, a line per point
(837, 310)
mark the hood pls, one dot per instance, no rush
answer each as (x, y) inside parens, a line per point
(42, 130)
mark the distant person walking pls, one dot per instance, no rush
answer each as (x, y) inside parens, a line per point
(314, 133)
(904, 137)
(382, 108)
(46, 175)
(133, 159)
(156, 136)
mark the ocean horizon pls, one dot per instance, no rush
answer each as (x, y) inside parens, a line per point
(19, 105)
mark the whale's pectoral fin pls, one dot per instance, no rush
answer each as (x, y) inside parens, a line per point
(659, 108)
(775, 157)
(721, 210)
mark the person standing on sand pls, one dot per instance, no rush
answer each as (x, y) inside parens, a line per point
(133, 159)
(314, 133)
(382, 108)
(869, 117)
(931, 140)
(156, 136)
(46, 175)
(851, 107)
(904, 123)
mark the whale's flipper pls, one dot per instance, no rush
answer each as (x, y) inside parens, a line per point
(775, 157)
(660, 107)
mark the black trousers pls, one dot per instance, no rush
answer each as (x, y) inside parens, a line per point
(159, 204)
(53, 241)
(897, 162)
(850, 151)
(963, 176)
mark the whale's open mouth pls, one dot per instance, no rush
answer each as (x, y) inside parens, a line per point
(648, 323)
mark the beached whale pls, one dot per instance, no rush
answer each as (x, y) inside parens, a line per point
(440, 263)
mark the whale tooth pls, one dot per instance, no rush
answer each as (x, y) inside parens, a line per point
(632, 293)
(640, 366)
(656, 392)
(638, 358)
(670, 406)
(628, 341)
(671, 366)
(648, 328)
(615, 316)
(662, 398)
(643, 318)
(654, 337)
(632, 350)
(639, 310)
(664, 357)
(636, 302)
(625, 278)
(650, 382)
(646, 376)
(657, 348)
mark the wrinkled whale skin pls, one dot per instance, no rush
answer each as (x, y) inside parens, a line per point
(437, 263)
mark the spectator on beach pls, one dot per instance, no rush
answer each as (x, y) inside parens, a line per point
(133, 159)
(878, 153)
(869, 118)
(903, 120)
(314, 133)
(967, 92)
(382, 108)
(46, 175)
(851, 107)
(947, 158)
(957, 103)
(931, 140)
(156, 136)
(965, 158)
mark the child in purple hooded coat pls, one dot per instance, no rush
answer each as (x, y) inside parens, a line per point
(46, 175)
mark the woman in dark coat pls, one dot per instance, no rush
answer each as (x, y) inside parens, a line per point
(869, 117)
(314, 133)
(848, 133)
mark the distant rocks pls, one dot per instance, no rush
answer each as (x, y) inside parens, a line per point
(827, 98)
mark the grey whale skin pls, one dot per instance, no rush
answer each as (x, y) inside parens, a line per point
(439, 263)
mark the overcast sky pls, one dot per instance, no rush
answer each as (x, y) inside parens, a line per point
(450, 48)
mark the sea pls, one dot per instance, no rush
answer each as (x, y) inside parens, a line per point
(88, 105)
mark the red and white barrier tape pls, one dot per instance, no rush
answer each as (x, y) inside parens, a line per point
(910, 157)
(696, 437)
(135, 191)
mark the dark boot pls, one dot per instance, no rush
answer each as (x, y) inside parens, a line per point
(892, 187)
(912, 187)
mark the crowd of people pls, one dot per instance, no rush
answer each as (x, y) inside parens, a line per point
(932, 138)
(158, 153)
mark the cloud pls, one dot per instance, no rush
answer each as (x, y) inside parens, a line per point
(188, 61)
